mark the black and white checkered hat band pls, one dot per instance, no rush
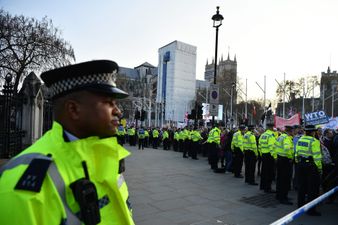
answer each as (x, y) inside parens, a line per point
(74, 82)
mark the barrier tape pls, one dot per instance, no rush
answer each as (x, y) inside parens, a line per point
(298, 212)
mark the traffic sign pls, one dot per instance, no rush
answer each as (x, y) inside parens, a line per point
(213, 110)
(214, 94)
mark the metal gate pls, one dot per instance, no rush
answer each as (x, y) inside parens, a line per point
(11, 132)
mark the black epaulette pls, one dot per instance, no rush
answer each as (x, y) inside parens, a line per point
(33, 177)
(122, 166)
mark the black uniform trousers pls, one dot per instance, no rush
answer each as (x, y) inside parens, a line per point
(284, 176)
(146, 142)
(155, 142)
(267, 172)
(213, 155)
(250, 166)
(237, 161)
(132, 140)
(186, 147)
(181, 145)
(166, 144)
(194, 149)
(175, 145)
(141, 143)
(308, 182)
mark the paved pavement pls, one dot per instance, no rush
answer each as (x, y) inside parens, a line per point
(166, 189)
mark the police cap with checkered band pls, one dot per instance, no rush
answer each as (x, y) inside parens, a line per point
(97, 76)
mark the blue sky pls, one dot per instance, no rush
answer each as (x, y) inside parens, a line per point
(269, 37)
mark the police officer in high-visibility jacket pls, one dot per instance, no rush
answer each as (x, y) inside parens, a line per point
(176, 140)
(214, 141)
(195, 138)
(185, 136)
(146, 138)
(237, 145)
(285, 156)
(73, 174)
(309, 162)
(141, 137)
(250, 155)
(132, 136)
(156, 135)
(121, 132)
(266, 147)
(165, 138)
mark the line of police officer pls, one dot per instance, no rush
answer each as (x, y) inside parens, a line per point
(278, 154)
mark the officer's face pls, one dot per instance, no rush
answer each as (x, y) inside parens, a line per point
(98, 115)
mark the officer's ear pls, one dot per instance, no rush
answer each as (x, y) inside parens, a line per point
(73, 109)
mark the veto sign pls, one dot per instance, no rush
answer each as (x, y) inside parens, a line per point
(315, 118)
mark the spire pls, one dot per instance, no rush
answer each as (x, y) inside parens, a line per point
(228, 56)
(235, 60)
(207, 62)
(328, 70)
(213, 61)
(222, 57)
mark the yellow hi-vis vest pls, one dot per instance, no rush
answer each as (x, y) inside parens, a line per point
(165, 135)
(214, 136)
(308, 146)
(237, 141)
(284, 146)
(267, 143)
(176, 136)
(196, 136)
(54, 203)
(131, 131)
(249, 142)
(155, 133)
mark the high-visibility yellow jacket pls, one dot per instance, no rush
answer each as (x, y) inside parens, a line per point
(131, 131)
(250, 142)
(120, 131)
(146, 133)
(165, 135)
(237, 141)
(155, 133)
(284, 146)
(266, 143)
(308, 146)
(55, 202)
(214, 136)
(196, 136)
(176, 136)
(184, 134)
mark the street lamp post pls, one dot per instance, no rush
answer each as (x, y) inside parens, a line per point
(217, 18)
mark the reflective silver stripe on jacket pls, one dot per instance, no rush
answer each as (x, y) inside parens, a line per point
(53, 173)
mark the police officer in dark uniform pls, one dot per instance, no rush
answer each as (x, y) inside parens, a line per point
(309, 162)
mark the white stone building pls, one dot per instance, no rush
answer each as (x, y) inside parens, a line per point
(176, 84)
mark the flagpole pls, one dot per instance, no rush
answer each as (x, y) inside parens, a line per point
(246, 98)
(284, 98)
(265, 100)
(303, 105)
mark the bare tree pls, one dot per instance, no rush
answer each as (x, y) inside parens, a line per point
(27, 45)
(294, 89)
